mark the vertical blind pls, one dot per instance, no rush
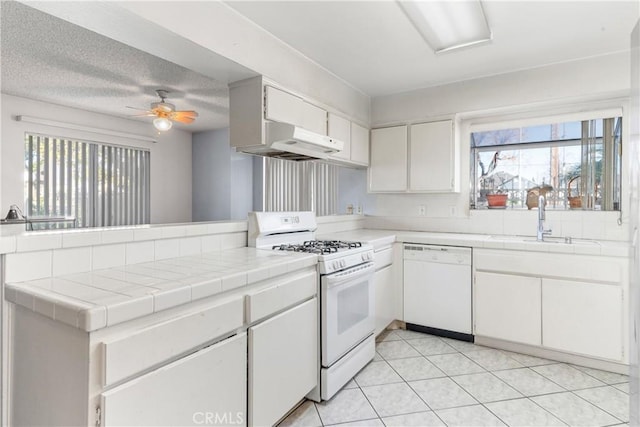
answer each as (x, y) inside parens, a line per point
(300, 186)
(98, 184)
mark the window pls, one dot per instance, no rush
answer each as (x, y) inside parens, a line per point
(98, 184)
(575, 164)
(300, 186)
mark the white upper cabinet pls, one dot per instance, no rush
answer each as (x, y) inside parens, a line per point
(281, 106)
(433, 166)
(256, 101)
(314, 118)
(388, 167)
(359, 144)
(340, 129)
(422, 159)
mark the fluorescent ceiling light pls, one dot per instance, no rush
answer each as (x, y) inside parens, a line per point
(448, 24)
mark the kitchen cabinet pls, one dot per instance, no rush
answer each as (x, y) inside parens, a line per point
(185, 392)
(388, 159)
(508, 307)
(384, 288)
(355, 138)
(558, 301)
(340, 129)
(280, 106)
(433, 162)
(420, 158)
(283, 362)
(255, 102)
(583, 318)
(314, 118)
(359, 144)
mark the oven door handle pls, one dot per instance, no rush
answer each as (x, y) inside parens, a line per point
(349, 275)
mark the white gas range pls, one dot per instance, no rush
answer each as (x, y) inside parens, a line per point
(347, 298)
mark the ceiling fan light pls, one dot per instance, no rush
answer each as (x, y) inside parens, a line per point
(162, 124)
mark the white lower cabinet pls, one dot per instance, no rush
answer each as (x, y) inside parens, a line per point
(283, 362)
(508, 307)
(583, 318)
(185, 392)
(384, 298)
(569, 303)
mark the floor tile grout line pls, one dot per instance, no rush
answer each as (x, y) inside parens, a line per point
(602, 409)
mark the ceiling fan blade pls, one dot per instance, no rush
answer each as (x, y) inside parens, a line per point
(147, 114)
(183, 116)
(190, 113)
(183, 119)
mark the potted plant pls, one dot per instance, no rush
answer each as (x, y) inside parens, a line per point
(497, 199)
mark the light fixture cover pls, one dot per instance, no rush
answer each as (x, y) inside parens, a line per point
(447, 25)
(162, 124)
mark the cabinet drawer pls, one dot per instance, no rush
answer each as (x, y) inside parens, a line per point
(383, 258)
(153, 345)
(189, 391)
(566, 266)
(266, 301)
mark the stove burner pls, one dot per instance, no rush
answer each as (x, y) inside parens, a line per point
(319, 246)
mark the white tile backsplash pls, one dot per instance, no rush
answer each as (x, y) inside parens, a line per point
(23, 266)
(139, 252)
(38, 242)
(233, 240)
(77, 238)
(107, 256)
(190, 246)
(147, 233)
(211, 243)
(117, 236)
(69, 261)
(167, 248)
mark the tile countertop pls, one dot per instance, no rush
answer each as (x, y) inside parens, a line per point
(382, 238)
(101, 298)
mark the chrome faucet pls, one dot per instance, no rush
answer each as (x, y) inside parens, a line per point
(541, 216)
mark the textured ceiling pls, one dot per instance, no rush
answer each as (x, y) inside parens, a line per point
(49, 59)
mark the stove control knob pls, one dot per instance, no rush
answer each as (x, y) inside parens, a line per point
(335, 265)
(364, 256)
(343, 263)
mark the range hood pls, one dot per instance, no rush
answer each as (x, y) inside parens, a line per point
(286, 141)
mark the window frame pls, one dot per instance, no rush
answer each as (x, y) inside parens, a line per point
(522, 120)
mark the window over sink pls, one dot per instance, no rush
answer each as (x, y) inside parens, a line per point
(575, 162)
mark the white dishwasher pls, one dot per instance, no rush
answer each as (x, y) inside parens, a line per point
(437, 290)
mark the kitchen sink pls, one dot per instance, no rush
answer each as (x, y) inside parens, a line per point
(531, 239)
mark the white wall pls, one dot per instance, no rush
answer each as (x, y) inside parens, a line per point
(222, 178)
(581, 85)
(170, 156)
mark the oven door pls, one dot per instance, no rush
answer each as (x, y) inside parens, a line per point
(348, 302)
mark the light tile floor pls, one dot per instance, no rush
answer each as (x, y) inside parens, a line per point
(422, 380)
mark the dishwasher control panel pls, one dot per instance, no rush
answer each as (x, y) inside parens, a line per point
(440, 254)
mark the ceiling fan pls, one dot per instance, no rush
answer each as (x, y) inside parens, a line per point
(165, 113)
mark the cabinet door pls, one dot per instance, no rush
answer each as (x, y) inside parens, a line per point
(508, 307)
(359, 144)
(432, 162)
(388, 167)
(314, 119)
(340, 129)
(283, 362)
(584, 318)
(384, 298)
(281, 106)
(208, 383)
